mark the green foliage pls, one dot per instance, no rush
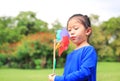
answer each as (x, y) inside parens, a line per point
(14, 28)
(97, 37)
(55, 26)
(28, 22)
(32, 55)
(105, 38)
(38, 53)
(23, 51)
(42, 51)
(111, 32)
(37, 63)
(23, 55)
(3, 59)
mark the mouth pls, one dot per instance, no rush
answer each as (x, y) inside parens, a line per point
(73, 37)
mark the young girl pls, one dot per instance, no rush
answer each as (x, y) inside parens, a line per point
(82, 61)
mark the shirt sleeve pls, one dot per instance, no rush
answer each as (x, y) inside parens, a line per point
(86, 69)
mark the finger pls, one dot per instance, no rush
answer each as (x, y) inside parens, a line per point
(53, 74)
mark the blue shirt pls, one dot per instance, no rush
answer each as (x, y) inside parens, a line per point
(80, 65)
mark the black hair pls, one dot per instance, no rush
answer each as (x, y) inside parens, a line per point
(84, 19)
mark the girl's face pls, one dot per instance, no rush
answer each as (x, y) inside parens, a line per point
(78, 33)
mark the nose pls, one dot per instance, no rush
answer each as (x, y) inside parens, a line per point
(72, 32)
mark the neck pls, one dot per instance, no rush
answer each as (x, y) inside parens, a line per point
(85, 43)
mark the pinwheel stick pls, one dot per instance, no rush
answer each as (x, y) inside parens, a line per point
(54, 55)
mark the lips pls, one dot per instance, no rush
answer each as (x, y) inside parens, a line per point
(73, 37)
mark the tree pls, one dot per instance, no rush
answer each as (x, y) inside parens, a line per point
(111, 30)
(7, 32)
(55, 26)
(27, 23)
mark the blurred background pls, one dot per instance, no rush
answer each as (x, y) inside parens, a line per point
(28, 27)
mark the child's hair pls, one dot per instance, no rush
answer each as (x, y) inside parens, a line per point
(84, 19)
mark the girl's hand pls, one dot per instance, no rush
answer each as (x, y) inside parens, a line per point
(51, 77)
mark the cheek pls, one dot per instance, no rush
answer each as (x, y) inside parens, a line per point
(81, 37)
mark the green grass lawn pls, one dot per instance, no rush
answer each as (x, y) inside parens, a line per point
(105, 72)
(108, 71)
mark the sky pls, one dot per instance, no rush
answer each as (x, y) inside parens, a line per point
(61, 10)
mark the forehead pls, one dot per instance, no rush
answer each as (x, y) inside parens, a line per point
(75, 21)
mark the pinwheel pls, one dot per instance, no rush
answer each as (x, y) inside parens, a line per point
(61, 44)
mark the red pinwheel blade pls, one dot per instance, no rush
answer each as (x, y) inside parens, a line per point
(64, 45)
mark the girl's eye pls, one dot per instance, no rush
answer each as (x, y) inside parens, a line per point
(69, 30)
(76, 28)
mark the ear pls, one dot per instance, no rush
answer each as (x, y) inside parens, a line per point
(88, 31)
